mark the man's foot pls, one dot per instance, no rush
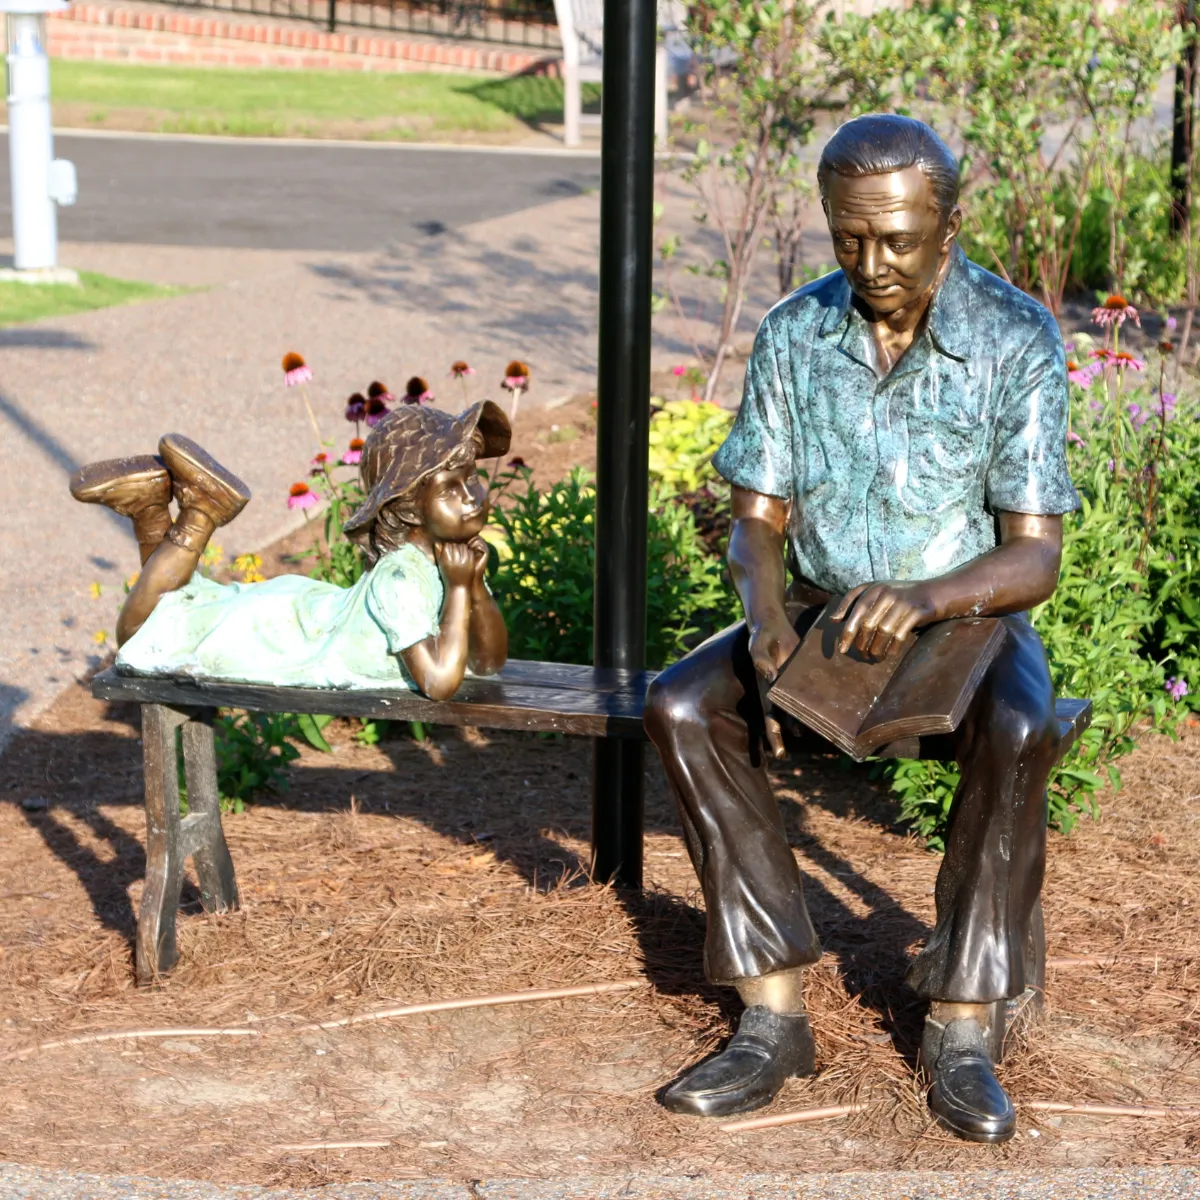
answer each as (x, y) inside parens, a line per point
(129, 486)
(767, 1049)
(201, 482)
(966, 1097)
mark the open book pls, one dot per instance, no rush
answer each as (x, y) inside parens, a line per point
(922, 686)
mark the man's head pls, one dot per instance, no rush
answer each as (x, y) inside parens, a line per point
(889, 186)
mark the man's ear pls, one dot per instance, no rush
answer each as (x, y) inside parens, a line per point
(953, 225)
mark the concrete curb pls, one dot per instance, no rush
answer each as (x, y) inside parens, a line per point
(1091, 1183)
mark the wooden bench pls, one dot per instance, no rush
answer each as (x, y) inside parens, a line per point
(526, 696)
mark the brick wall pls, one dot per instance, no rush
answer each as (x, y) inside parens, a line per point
(145, 33)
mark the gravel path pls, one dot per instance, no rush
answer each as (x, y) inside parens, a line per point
(1134, 1183)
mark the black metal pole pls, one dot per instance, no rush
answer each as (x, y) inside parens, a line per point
(332, 16)
(623, 414)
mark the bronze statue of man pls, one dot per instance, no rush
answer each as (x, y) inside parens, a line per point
(901, 444)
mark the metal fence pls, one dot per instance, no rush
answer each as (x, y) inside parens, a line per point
(512, 22)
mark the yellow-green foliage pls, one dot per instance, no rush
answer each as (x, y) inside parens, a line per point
(684, 435)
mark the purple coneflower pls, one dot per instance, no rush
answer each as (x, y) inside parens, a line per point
(1083, 374)
(416, 391)
(356, 407)
(300, 495)
(516, 376)
(380, 391)
(1075, 439)
(461, 369)
(320, 464)
(376, 410)
(353, 456)
(1116, 310)
(1125, 359)
(517, 463)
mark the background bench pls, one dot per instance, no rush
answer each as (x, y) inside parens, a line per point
(546, 697)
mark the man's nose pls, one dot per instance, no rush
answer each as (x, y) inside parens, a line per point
(870, 261)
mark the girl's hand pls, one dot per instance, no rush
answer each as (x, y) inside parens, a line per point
(456, 561)
(479, 548)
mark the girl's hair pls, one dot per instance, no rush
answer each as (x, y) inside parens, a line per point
(390, 531)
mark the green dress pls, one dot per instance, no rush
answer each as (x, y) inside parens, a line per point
(293, 631)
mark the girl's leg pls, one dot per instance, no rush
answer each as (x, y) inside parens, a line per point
(138, 488)
(208, 496)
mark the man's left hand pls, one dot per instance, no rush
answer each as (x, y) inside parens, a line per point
(881, 614)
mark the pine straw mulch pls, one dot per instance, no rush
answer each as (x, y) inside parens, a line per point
(410, 871)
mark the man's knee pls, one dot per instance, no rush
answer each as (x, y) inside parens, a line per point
(1020, 735)
(673, 703)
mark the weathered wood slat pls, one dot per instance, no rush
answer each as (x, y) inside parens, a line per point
(495, 702)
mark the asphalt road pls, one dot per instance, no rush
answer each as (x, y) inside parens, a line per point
(293, 197)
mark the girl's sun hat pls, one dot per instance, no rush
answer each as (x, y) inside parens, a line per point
(413, 442)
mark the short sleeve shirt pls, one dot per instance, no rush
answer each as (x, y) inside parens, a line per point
(901, 477)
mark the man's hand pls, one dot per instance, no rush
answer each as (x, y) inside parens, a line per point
(772, 643)
(881, 614)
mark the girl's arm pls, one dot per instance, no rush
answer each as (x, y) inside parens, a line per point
(488, 635)
(437, 664)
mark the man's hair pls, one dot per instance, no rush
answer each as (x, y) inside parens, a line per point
(880, 143)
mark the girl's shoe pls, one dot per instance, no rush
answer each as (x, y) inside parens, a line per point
(207, 494)
(137, 487)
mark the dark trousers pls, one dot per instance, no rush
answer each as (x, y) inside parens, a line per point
(705, 715)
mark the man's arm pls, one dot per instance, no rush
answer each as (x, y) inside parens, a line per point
(1021, 572)
(755, 555)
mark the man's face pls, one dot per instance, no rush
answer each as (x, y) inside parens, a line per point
(888, 236)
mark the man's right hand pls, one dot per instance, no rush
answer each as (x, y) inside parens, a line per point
(772, 643)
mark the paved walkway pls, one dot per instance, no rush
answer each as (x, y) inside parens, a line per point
(1130, 1183)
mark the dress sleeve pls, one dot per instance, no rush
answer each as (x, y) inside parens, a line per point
(1027, 472)
(404, 598)
(757, 454)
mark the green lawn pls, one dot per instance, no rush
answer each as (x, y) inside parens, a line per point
(32, 302)
(302, 103)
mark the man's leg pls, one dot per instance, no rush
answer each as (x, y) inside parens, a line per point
(705, 716)
(989, 883)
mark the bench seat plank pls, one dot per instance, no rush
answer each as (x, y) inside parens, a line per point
(523, 698)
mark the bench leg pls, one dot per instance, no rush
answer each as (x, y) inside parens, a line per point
(171, 838)
(206, 838)
(156, 951)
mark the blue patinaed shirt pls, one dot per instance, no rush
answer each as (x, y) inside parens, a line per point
(900, 477)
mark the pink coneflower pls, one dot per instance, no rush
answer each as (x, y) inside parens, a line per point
(356, 407)
(319, 464)
(353, 456)
(296, 373)
(516, 376)
(1075, 439)
(416, 391)
(1124, 359)
(379, 391)
(1102, 354)
(461, 369)
(295, 370)
(1116, 310)
(300, 495)
(517, 463)
(376, 410)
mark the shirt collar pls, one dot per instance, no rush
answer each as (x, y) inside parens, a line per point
(949, 323)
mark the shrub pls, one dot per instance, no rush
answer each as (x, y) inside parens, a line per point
(542, 573)
(684, 435)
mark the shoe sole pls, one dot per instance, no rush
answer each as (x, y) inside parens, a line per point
(975, 1135)
(92, 484)
(190, 461)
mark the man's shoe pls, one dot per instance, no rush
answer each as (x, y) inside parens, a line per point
(200, 482)
(129, 486)
(767, 1049)
(966, 1097)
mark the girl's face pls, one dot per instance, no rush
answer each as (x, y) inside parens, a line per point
(454, 506)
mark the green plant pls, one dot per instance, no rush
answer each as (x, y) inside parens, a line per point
(253, 751)
(684, 435)
(542, 572)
